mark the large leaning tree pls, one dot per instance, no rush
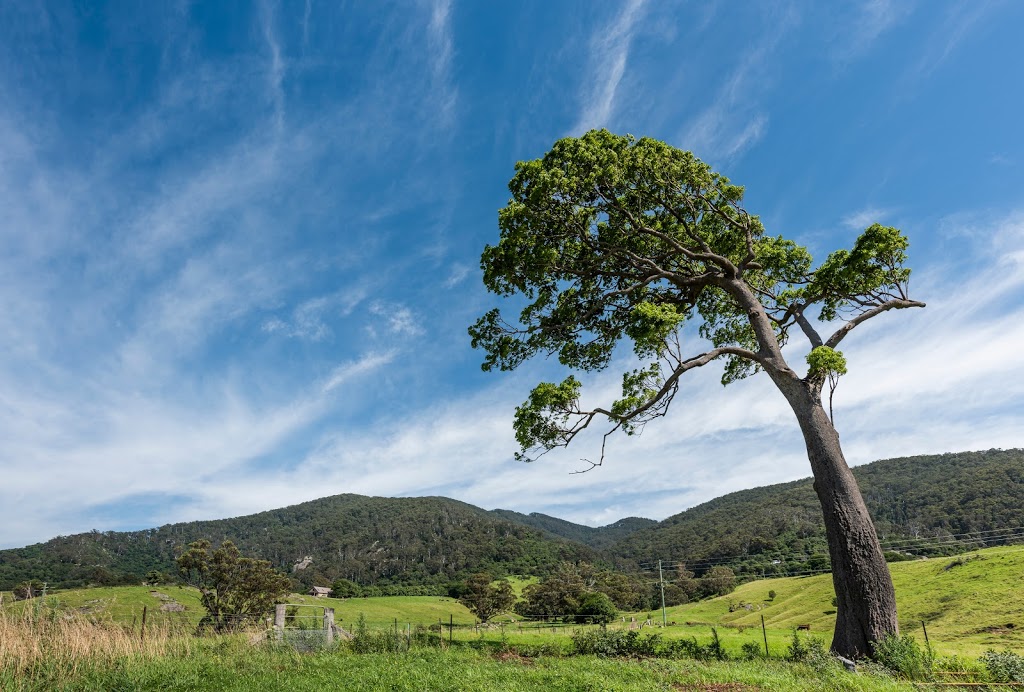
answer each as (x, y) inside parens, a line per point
(610, 239)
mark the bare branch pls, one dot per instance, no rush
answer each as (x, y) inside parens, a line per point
(896, 304)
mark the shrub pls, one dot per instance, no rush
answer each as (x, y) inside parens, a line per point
(905, 657)
(1004, 666)
(752, 650)
(811, 651)
(596, 607)
(771, 595)
(365, 641)
(605, 642)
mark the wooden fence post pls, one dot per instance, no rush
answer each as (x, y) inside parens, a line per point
(279, 612)
(329, 625)
(142, 630)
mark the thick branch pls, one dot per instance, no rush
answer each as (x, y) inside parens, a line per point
(805, 325)
(897, 304)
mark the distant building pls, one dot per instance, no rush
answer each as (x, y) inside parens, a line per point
(319, 592)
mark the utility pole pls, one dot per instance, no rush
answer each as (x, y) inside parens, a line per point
(661, 578)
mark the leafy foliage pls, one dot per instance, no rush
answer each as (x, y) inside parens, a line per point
(573, 593)
(234, 588)
(486, 599)
(905, 657)
(1004, 666)
(613, 239)
(30, 588)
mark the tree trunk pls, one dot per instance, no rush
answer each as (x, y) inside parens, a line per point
(865, 599)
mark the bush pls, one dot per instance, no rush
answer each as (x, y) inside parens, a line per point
(811, 651)
(905, 657)
(1004, 666)
(365, 641)
(605, 642)
(752, 650)
(596, 607)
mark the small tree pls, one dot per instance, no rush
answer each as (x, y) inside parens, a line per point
(345, 588)
(558, 595)
(156, 577)
(234, 589)
(688, 584)
(718, 581)
(28, 589)
(486, 599)
(595, 607)
(612, 239)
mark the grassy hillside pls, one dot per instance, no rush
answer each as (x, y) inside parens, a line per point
(969, 603)
(928, 505)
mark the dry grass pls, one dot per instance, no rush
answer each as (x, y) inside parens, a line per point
(39, 642)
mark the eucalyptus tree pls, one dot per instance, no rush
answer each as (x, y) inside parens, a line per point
(614, 239)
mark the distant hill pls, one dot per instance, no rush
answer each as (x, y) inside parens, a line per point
(596, 537)
(924, 505)
(370, 540)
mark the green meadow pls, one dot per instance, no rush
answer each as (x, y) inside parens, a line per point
(92, 639)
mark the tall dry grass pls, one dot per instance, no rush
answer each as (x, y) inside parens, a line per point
(42, 641)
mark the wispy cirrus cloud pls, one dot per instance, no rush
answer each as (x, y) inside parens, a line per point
(861, 219)
(958, 22)
(902, 397)
(735, 120)
(276, 66)
(608, 55)
(855, 34)
(398, 319)
(440, 49)
(311, 319)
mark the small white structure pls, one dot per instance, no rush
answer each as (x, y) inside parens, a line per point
(319, 592)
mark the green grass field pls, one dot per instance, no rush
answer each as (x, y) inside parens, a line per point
(236, 666)
(969, 603)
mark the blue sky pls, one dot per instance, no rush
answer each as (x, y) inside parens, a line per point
(241, 241)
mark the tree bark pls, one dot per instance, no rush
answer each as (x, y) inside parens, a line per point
(865, 599)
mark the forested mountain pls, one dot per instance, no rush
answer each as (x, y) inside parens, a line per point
(596, 537)
(369, 540)
(921, 505)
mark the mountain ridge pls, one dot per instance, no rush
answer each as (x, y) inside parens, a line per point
(921, 505)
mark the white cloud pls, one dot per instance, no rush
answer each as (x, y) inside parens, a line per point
(735, 121)
(457, 275)
(399, 319)
(310, 318)
(609, 53)
(276, 68)
(349, 371)
(440, 52)
(859, 220)
(855, 35)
